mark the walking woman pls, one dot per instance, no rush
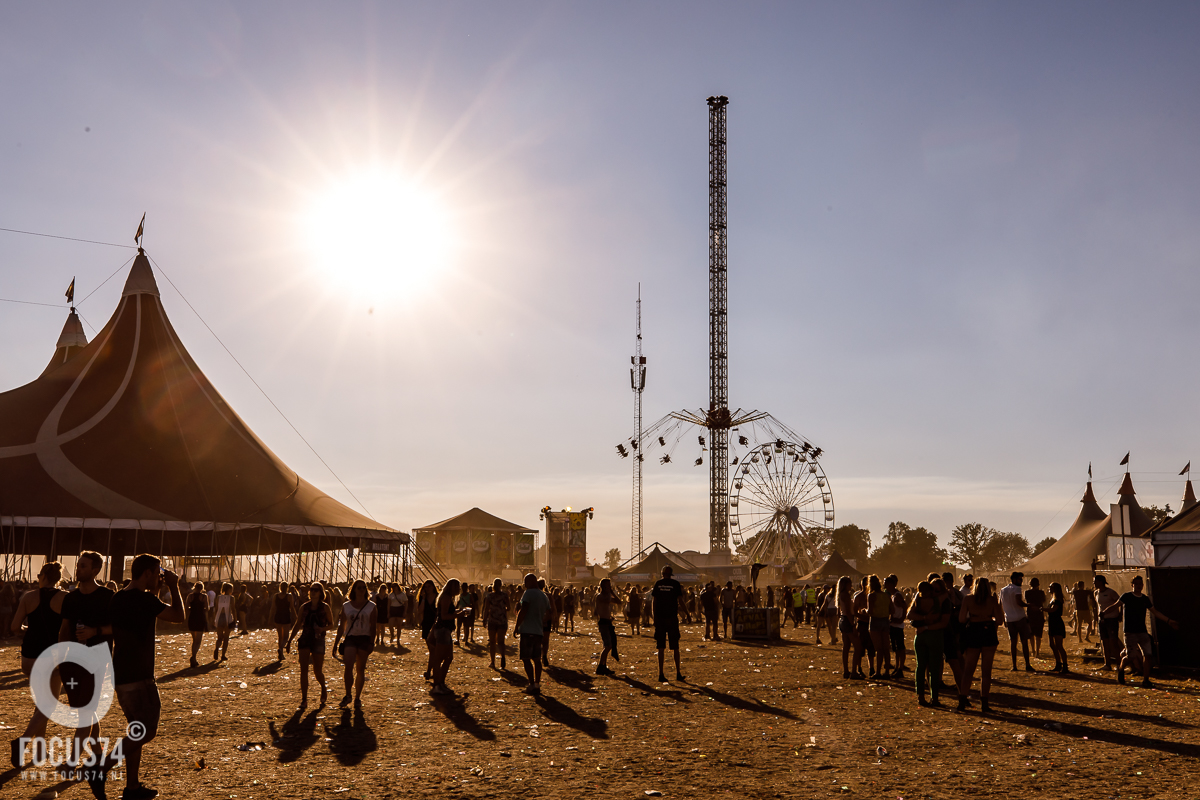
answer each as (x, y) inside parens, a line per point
(495, 615)
(635, 612)
(606, 602)
(441, 642)
(981, 616)
(397, 610)
(929, 617)
(314, 619)
(1056, 628)
(282, 616)
(427, 611)
(41, 611)
(225, 619)
(197, 618)
(845, 610)
(357, 625)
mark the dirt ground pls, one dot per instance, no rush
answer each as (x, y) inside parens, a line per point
(751, 720)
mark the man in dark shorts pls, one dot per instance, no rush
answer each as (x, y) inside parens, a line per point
(533, 613)
(1138, 643)
(86, 620)
(1012, 601)
(896, 622)
(134, 612)
(728, 597)
(1110, 621)
(666, 594)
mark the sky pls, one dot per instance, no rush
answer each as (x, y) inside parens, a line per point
(962, 239)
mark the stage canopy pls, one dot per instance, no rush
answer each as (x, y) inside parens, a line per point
(123, 445)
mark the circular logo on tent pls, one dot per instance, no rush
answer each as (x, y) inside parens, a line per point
(425, 544)
(577, 556)
(460, 547)
(524, 548)
(481, 545)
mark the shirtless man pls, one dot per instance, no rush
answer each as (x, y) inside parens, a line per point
(1110, 621)
(1084, 612)
(1138, 643)
(728, 596)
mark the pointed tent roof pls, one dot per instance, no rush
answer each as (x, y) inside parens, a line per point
(128, 429)
(474, 520)
(1087, 537)
(649, 568)
(1189, 497)
(70, 341)
(834, 567)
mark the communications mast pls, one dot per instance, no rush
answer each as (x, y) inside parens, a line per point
(637, 379)
(718, 419)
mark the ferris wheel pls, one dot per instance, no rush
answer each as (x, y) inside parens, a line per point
(781, 503)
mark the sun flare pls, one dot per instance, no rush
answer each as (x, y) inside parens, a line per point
(374, 232)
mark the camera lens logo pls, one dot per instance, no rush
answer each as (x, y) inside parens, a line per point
(96, 660)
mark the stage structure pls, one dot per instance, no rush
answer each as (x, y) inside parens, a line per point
(476, 546)
(565, 555)
(779, 505)
(122, 445)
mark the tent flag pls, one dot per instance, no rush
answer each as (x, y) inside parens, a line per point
(71, 292)
(1186, 469)
(1125, 460)
(137, 237)
(1089, 470)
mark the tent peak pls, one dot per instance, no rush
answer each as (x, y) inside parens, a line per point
(72, 333)
(1126, 489)
(1088, 496)
(1189, 497)
(141, 277)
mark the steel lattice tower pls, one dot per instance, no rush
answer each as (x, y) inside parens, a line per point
(637, 379)
(718, 417)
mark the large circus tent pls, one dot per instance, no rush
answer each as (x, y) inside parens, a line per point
(123, 445)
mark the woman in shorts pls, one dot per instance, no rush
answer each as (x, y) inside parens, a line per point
(441, 641)
(495, 613)
(197, 618)
(1056, 628)
(980, 615)
(314, 619)
(427, 613)
(357, 626)
(844, 603)
(224, 620)
(282, 616)
(879, 623)
(397, 610)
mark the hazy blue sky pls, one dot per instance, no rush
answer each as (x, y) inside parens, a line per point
(963, 238)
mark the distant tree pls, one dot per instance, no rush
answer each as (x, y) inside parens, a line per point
(612, 559)
(910, 552)
(852, 543)
(1005, 551)
(1043, 545)
(1157, 514)
(968, 543)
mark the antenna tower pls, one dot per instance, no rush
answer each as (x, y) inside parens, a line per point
(637, 379)
(718, 420)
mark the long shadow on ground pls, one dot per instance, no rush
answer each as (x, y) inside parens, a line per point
(296, 735)
(351, 738)
(455, 709)
(560, 712)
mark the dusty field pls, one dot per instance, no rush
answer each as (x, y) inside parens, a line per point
(751, 720)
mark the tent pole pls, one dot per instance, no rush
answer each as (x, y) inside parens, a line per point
(108, 554)
(162, 540)
(233, 564)
(187, 540)
(24, 551)
(257, 553)
(212, 546)
(53, 540)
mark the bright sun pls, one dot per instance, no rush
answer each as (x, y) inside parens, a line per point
(375, 233)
